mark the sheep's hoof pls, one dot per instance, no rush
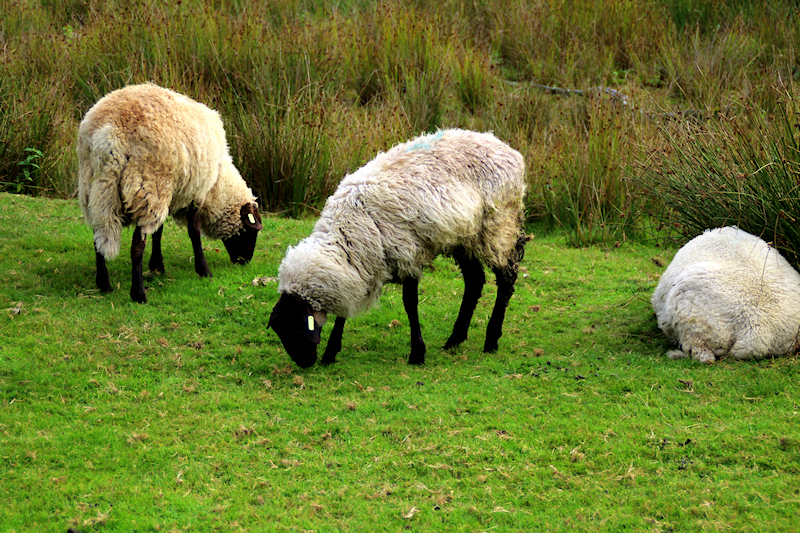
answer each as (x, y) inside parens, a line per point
(490, 347)
(416, 358)
(139, 297)
(703, 356)
(453, 341)
(327, 361)
(103, 283)
(676, 354)
(156, 266)
(202, 269)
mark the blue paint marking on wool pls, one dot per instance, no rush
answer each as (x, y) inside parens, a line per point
(426, 142)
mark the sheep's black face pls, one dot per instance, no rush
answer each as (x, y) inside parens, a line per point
(299, 330)
(242, 246)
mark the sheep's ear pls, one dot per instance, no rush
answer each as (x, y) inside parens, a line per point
(250, 216)
(320, 318)
(313, 326)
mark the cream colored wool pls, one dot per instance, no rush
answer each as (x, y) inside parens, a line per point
(145, 152)
(727, 292)
(389, 219)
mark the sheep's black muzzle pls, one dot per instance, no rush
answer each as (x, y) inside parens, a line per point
(302, 357)
(292, 319)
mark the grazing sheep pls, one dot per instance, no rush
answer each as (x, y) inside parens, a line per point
(727, 292)
(145, 152)
(456, 192)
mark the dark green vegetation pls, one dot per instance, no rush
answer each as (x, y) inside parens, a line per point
(310, 90)
(742, 171)
(184, 414)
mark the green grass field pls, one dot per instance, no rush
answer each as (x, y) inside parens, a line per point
(185, 414)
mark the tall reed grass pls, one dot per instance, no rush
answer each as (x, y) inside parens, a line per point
(310, 90)
(739, 169)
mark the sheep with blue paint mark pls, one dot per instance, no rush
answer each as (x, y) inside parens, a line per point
(144, 153)
(728, 293)
(457, 193)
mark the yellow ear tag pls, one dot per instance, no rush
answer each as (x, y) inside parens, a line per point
(310, 323)
(251, 218)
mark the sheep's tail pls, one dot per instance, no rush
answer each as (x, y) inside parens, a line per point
(106, 217)
(99, 196)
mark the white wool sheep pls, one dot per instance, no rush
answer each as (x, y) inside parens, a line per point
(145, 152)
(456, 192)
(727, 292)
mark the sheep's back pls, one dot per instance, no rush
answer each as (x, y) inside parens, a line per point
(163, 148)
(435, 193)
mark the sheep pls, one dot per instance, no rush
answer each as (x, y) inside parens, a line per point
(145, 152)
(727, 292)
(456, 193)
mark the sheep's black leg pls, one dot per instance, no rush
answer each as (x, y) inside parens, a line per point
(411, 303)
(200, 265)
(101, 278)
(474, 279)
(334, 342)
(506, 278)
(156, 263)
(137, 255)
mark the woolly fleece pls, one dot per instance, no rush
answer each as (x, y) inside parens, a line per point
(727, 292)
(145, 152)
(392, 217)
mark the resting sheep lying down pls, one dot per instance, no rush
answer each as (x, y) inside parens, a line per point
(145, 152)
(456, 192)
(727, 292)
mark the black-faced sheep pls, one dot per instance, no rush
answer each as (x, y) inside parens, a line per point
(727, 292)
(456, 192)
(145, 152)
